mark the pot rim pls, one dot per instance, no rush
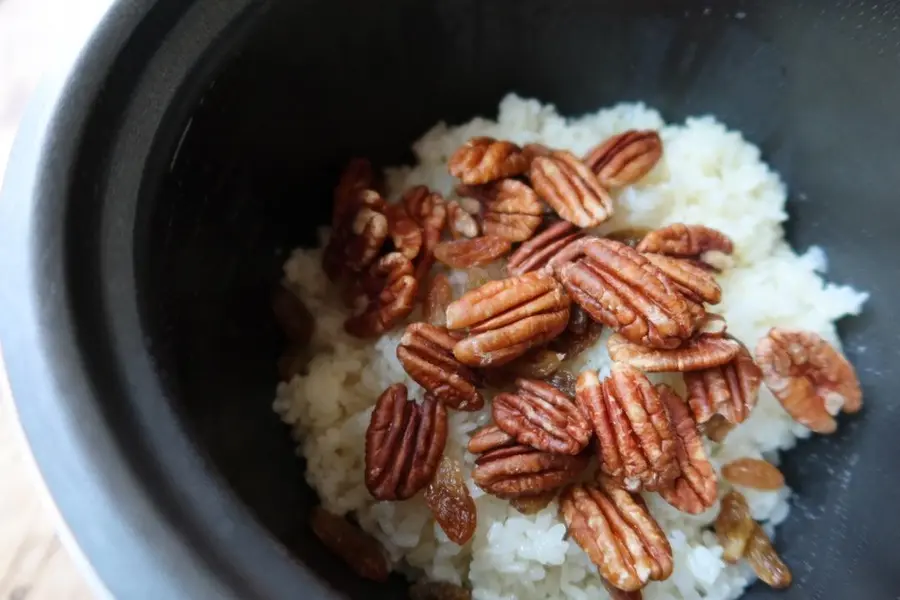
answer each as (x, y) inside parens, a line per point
(147, 545)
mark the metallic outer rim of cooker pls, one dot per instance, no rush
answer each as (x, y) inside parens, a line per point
(134, 545)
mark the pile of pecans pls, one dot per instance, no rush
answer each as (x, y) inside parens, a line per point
(537, 207)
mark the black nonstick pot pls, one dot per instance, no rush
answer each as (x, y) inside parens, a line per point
(168, 167)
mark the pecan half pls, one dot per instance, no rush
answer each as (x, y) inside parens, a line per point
(571, 188)
(476, 252)
(536, 253)
(618, 534)
(489, 437)
(729, 390)
(699, 352)
(357, 176)
(624, 158)
(438, 296)
(404, 231)
(404, 444)
(425, 207)
(395, 288)
(540, 416)
(429, 210)
(426, 353)
(636, 436)
(620, 288)
(357, 240)
(512, 210)
(753, 473)
(517, 470)
(359, 550)
(617, 594)
(811, 379)
(693, 242)
(695, 283)
(695, 490)
(508, 317)
(438, 590)
(461, 223)
(484, 159)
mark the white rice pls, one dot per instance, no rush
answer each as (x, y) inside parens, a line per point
(707, 175)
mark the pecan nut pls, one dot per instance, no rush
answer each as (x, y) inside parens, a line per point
(620, 288)
(811, 379)
(425, 207)
(359, 550)
(512, 471)
(700, 352)
(426, 353)
(404, 444)
(536, 253)
(489, 437)
(511, 209)
(695, 489)
(617, 594)
(729, 390)
(404, 231)
(636, 436)
(540, 416)
(357, 176)
(392, 286)
(571, 189)
(429, 210)
(695, 283)
(624, 158)
(460, 222)
(357, 240)
(705, 245)
(438, 590)
(476, 252)
(484, 159)
(618, 534)
(508, 317)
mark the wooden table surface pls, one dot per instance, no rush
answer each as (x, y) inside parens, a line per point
(33, 562)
